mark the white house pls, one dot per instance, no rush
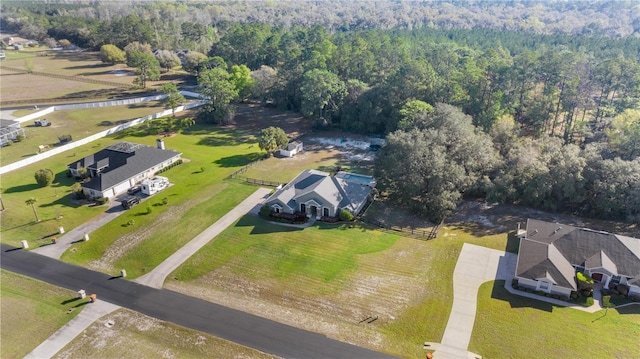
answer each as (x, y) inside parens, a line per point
(120, 166)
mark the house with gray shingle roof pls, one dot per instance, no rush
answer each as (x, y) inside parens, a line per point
(120, 166)
(550, 254)
(318, 194)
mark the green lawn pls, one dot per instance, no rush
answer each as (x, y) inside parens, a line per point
(510, 326)
(79, 124)
(216, 151)
(321, 261)
(256, 248)
(30, 312)
(198, 198)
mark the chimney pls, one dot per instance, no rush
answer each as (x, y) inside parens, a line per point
(160, 143)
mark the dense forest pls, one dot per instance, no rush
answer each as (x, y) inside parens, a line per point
(525, 102)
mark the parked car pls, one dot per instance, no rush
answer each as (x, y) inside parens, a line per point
(130, 202)
(134, 189)
(42, 123)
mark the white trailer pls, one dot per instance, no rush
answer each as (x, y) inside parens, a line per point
(154, 185)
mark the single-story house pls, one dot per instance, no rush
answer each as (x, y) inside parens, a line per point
(318, 194)
(292, 149)
(120, 166)
(9, 131)
(550, 255)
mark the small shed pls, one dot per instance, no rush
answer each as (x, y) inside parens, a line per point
(292, 149)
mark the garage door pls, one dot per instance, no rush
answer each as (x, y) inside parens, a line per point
(122, 187)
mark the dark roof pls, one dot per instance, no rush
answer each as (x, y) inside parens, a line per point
(619, 255)
(9, 123)
(125, 160)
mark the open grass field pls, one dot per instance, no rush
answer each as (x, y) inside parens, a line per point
(136, 335)
(509, 326)
(15, 86)
(30, 312)
(78, 123)
(328, 278)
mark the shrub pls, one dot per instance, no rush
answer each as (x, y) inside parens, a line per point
(622, 289)
(165, 201)
(149, 209)
(584, 280)
(514, 282)
(588, 302)
(345, 215)
(265, 211)
(102, 200)
(574, 295)
(44, 177)
(606, 301)
(20, 138)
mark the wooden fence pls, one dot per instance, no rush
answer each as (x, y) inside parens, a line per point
(423, 234)
(71, 78)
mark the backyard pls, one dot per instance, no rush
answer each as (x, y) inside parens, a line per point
(78, 123)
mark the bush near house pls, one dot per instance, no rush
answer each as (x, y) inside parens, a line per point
(585, 281)
(44, 177)
(265, 211)
(345, 215)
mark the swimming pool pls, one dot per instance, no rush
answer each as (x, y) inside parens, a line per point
(357, 178)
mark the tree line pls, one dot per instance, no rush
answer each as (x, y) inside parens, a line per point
(545, 119)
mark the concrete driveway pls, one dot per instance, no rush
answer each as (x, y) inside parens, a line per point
(66, 240)
(475, 266)
(156, 277)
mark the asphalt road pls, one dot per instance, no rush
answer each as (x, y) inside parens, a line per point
(236, 326)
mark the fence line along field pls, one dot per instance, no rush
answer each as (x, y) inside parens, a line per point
(78, 123)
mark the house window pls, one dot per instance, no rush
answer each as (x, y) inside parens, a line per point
(303, 208)
(616, 279)
(544, 286)
(325, 212)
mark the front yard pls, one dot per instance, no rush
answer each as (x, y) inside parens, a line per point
(534, 329)
(30, 311)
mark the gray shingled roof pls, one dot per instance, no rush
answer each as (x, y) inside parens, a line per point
(575, 247)
(325, 189)
(122, 164)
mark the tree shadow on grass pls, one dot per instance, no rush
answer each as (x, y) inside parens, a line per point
(64, 302)
(499, 292)
(262, 226)
(238, 160)
(226, 138)
(22, 188)
(63, 200)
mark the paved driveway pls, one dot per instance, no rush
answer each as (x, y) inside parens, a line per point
(156, 277)
(475, 266)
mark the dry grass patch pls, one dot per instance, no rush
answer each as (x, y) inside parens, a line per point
(132, 334)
